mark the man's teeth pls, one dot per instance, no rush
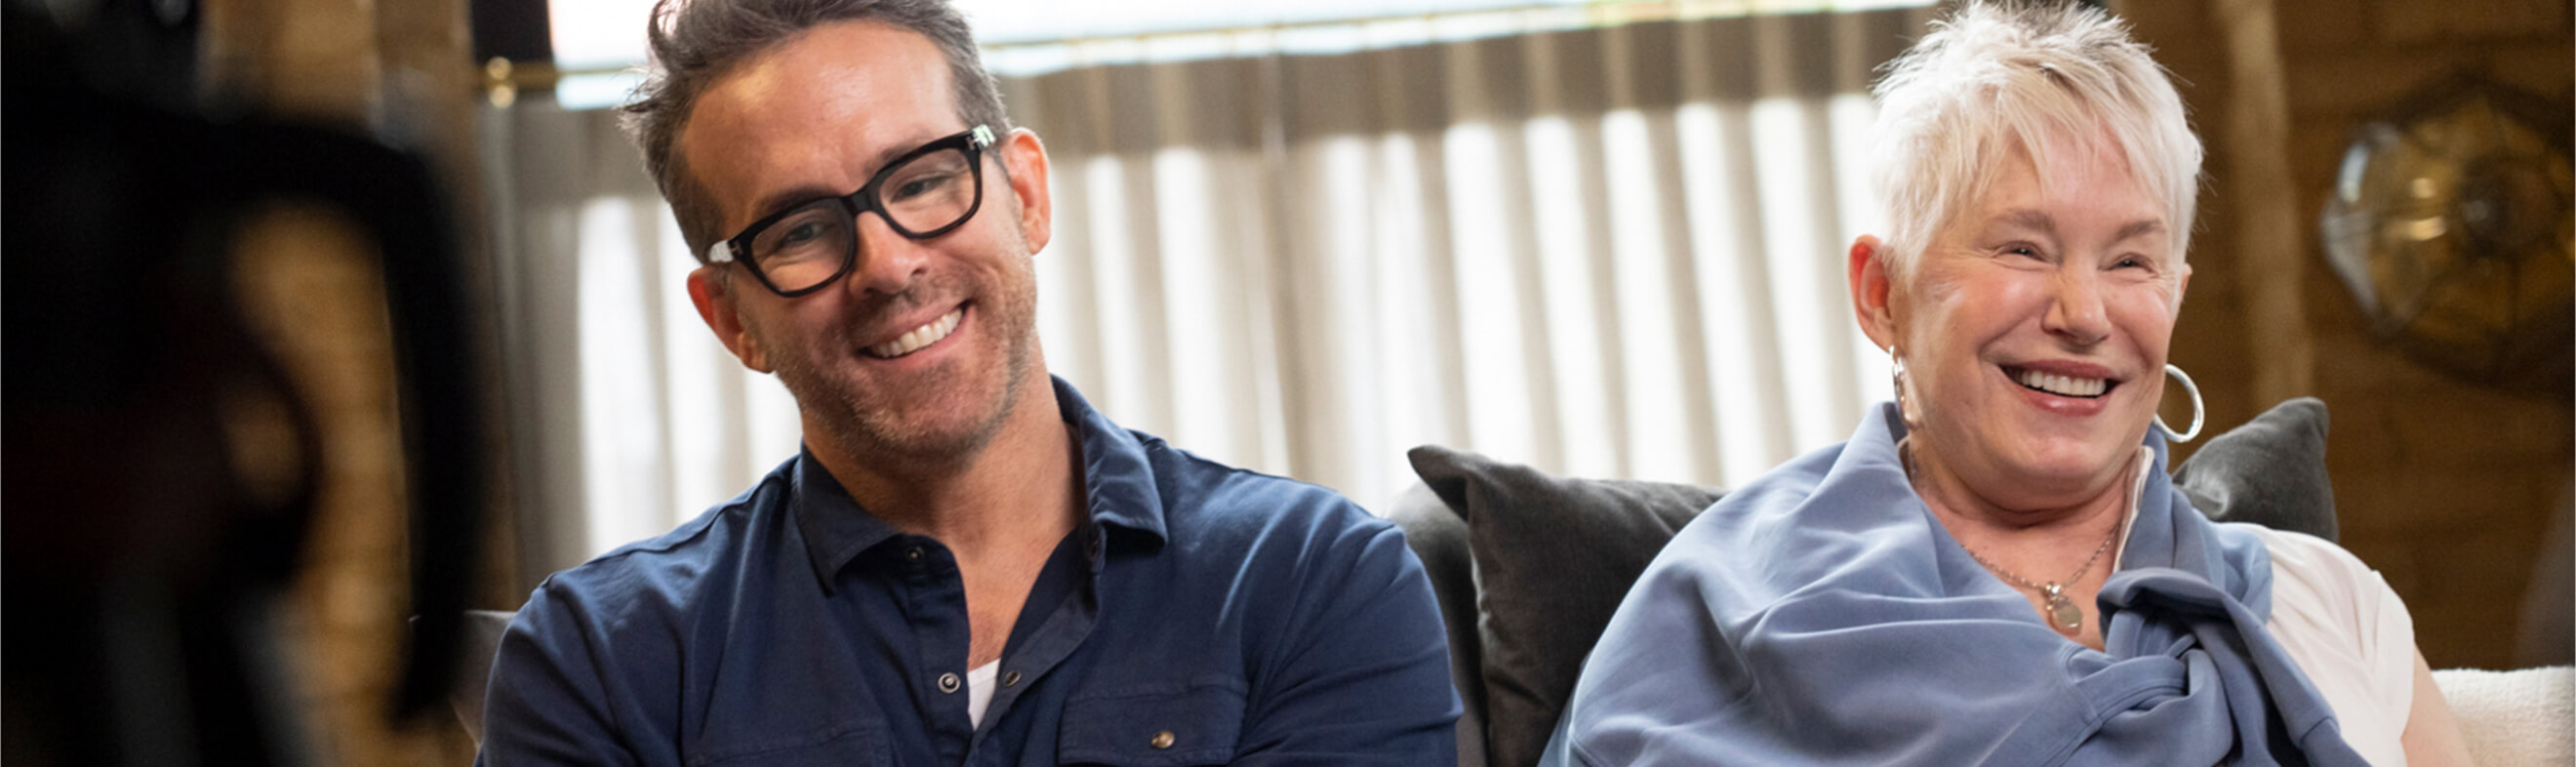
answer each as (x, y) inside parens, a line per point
(2064, 385)
(919, 337)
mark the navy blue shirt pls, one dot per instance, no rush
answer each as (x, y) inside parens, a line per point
(1199, 614)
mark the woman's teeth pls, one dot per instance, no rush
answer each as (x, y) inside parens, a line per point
(2063, 385)
(919, 337)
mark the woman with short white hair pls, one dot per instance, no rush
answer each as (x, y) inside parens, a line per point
(1997, 568)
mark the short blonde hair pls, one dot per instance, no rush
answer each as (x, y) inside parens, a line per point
(1995, 77)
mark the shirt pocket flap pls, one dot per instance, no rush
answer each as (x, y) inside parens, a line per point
(1153, 725)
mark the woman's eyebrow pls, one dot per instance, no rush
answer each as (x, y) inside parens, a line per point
(2028, 218)
(2040, 222)
(2139, 228)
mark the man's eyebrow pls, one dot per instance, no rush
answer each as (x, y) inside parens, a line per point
(774, 202)
(877, 164)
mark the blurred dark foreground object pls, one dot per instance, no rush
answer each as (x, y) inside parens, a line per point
(160, 468)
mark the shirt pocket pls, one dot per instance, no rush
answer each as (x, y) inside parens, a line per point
(862, 743)
(1164, 725)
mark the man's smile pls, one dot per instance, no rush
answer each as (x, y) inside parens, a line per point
(919, 338)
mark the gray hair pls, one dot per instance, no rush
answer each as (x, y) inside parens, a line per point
(1998, 76)
(694, 44)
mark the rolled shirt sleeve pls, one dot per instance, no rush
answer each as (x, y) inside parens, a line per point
(555, 701)
(1366, 681)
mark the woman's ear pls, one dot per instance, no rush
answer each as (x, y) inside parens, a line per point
(2182, 285)
(1873, 291)
(712, 295)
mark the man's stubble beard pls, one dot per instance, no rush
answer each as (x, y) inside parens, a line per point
(861, 425)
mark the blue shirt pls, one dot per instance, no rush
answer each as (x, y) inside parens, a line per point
(1200, 614)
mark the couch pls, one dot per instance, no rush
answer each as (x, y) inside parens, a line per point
(1528, 568)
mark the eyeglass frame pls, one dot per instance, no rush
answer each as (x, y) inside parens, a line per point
(972, 142)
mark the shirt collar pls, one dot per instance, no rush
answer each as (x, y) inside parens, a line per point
(1117, 473)
(1120, 493)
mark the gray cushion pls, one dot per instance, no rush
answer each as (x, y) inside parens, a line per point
(2270, 471)
(1552, 557)
(1439, 538)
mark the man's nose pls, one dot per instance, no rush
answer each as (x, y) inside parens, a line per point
(888, 262)
(2075, 311)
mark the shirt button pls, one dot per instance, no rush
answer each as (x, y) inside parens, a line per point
(948, 683)
(1162, 740)
(913, 553)
(1011, 678)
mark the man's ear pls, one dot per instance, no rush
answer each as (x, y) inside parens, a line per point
(1025, 159)
(709, 291)
(1872, 291)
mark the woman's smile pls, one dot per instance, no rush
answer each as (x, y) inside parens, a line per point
(2037, 328)
(2079, 387)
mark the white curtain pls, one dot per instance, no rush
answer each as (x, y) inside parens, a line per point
(1614, 252)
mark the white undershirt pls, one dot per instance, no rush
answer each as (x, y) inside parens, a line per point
(2350, 633)
(979, 690)
(2344, 627)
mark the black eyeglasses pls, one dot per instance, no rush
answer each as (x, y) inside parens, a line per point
(923, 194)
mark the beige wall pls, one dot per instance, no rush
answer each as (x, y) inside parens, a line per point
(2448, 488)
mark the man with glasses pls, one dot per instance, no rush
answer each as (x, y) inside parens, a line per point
(966, 564)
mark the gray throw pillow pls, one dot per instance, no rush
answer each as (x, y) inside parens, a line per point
(2270, 471)
(1553, 556)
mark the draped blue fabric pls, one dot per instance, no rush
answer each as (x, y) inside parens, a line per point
(1821, 615)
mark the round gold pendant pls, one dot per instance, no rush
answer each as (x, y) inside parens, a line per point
(2064, 613)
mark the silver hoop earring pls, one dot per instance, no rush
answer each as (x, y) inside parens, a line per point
(2198, 412)
(1896, 376)
(1896, 373)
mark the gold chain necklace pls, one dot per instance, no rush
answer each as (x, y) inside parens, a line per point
(2061, 610)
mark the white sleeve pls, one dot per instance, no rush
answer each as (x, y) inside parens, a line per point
(2340, 622)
